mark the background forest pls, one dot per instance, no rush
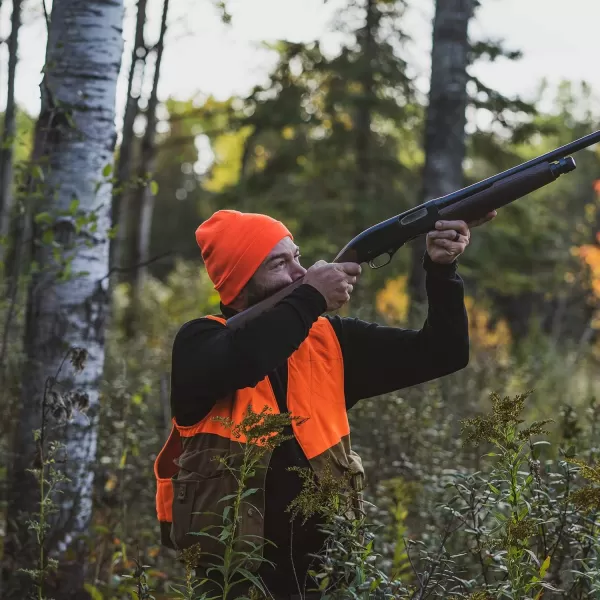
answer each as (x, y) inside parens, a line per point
(469, 494)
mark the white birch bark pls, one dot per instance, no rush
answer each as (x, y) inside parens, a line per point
(75, 142)
(10, 128)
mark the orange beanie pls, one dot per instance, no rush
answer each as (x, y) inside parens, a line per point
(233, 246)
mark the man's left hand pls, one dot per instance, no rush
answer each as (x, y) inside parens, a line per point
(451, 238)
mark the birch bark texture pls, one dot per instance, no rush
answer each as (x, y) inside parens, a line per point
(75, 141)
(446, 118)
(10, 128)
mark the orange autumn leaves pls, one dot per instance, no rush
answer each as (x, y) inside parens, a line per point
(393, 302)
(590, 257)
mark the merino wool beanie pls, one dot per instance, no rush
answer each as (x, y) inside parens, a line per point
(233, 245)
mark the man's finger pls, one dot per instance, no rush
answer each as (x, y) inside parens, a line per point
(488, 217)
(456, 247)
(442, 235)
(459, 226)
(350, 268)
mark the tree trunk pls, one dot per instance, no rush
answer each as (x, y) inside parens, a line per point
(446, 119)
(143, 204)
(10, 129)
(75, 142)
(364, 188)
(120, 204)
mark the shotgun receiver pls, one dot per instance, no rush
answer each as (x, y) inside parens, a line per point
(378, 244)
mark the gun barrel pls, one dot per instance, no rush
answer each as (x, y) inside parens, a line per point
(558, 153)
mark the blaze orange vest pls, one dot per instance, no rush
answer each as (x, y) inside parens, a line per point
(190, 482)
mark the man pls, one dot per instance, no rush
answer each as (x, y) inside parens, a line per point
(293, 359)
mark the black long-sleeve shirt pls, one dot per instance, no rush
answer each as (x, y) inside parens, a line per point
(210, 361)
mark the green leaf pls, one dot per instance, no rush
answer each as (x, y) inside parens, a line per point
(544, 567)
(107, 170)
(493, 488)
(225, 533)
(43, 217)
(74, 206)
(228, 497)
(154, 187)
(93, 591)
(252, 579)
(37, 172)
(48, 236)
(248, 492)
(226, 512)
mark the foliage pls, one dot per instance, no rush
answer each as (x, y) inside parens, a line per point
(58, 407)
(511, 515)
(258, 434)
(520, 531)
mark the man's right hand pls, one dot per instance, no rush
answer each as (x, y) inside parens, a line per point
(335, 281)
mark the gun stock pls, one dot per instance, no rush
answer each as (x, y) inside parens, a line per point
(257, 309)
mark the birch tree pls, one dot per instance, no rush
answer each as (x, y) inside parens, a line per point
(446, 118)
(10, 127)
(68, 299)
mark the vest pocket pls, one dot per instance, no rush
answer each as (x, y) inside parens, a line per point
(197, 509)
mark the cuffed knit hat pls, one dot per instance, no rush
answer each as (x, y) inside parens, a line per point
(233, 246)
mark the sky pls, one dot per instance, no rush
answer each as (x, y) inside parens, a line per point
(559, 40)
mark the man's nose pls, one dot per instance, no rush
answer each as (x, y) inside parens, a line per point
(298, 271)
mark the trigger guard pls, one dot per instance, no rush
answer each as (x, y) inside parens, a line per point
(389, 260)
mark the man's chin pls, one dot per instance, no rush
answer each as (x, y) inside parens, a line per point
(266, 294)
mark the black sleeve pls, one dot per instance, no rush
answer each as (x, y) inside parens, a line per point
(210, 361)
(380, 359)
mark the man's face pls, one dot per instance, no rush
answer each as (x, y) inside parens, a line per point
(281, 268)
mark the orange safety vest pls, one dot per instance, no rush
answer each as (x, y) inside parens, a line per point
(190, 484)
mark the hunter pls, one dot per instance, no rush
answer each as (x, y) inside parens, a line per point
(291, 358)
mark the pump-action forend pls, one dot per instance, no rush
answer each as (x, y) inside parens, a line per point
(377, 244)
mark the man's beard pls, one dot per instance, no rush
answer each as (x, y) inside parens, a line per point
(256, 293)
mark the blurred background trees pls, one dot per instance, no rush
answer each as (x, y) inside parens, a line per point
(331, 143)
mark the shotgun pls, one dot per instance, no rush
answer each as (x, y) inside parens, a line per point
(377, 245)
